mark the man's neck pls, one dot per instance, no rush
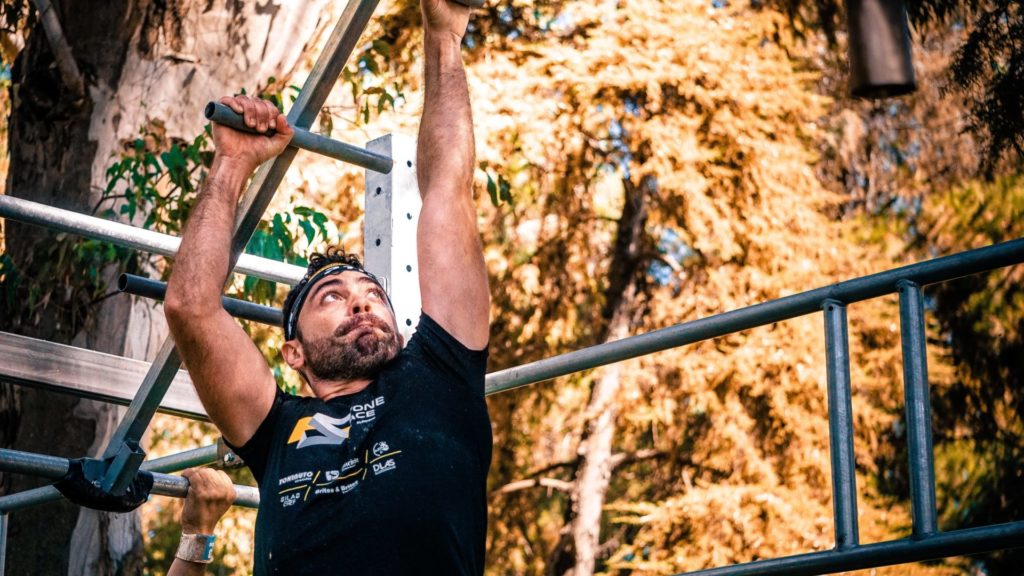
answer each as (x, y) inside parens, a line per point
(327, 389)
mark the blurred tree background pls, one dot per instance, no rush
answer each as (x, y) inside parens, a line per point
(644, 163)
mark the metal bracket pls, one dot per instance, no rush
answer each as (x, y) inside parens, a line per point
(393, 206)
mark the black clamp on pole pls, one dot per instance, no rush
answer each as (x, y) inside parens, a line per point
(83, 485)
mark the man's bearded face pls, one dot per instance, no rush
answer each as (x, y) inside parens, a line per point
(359, 348)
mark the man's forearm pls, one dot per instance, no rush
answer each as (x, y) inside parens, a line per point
(445, 148)
(201, 265)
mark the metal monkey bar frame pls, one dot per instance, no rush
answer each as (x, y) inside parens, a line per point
(392, 209)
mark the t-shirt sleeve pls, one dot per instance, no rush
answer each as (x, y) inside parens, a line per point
(449, 355)
(256, 452)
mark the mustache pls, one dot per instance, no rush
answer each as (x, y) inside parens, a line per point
(352, 322)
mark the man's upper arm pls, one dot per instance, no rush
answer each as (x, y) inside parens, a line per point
(229, 373)
(453, 278)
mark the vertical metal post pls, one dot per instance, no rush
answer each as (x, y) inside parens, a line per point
(840, 425)
(389, 230)
(918, 409)
(3, 542)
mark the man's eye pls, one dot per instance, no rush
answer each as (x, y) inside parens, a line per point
(331, 297)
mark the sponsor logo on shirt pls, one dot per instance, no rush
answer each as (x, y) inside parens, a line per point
(320, 430)
(385, 466)
(382, 461)
(368, 411)
(297, 477)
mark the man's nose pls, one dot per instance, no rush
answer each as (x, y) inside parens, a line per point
(360, 305)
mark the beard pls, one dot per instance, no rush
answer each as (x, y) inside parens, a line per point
(358, 349)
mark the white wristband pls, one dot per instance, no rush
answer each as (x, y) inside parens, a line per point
(196, 548)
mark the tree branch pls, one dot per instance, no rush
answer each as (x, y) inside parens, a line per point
(69, 72)
(560, 485)
(630, 457)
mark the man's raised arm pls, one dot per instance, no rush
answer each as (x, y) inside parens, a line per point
(229, 373)
(453, 278)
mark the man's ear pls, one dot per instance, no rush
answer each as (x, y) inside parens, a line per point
(294, 355)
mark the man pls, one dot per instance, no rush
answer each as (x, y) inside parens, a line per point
(384, 470)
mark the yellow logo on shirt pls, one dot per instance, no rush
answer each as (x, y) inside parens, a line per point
(319, 430)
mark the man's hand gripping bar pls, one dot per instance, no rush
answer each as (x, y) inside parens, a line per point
(222, 114)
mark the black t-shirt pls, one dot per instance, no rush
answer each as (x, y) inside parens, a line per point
(390, 480)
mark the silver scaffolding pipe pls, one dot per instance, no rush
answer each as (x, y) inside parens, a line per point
(855, 290)
(182, 460)
(55, 467)
(132, 237)
(28, 498)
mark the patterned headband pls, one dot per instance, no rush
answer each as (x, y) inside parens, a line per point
(328, 270)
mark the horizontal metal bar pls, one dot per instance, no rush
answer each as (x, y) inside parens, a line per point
(856, 290)
(149, 288)
(132, 237)
(931, 547)
(30, 463)
(88, 374)
(29, 498)
(56, 467)
(182, 460)
(302, 138)
(177, 486)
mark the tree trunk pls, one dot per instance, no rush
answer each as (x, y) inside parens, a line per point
(139, 61)
(577, 554)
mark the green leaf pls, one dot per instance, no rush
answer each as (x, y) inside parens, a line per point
(309, 230)
(492, 191)
(506, 190)
(383, 47)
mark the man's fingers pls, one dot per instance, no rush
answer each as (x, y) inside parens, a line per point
(248, 111)
(232, 103)
(281, 125)
(263, 114)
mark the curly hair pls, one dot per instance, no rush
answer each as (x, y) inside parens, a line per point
(317, 260)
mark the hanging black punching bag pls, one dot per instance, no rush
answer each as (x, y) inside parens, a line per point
(879, 37)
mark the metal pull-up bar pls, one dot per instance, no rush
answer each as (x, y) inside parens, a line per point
(302, 138)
